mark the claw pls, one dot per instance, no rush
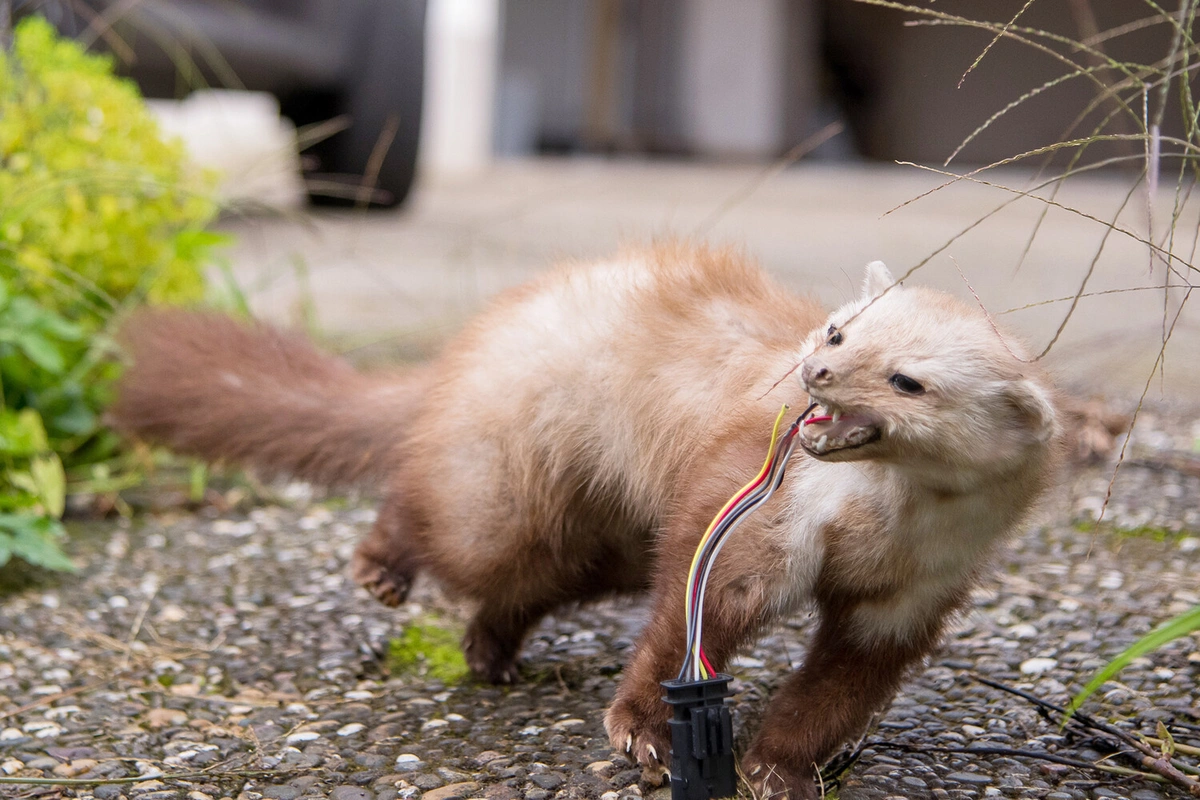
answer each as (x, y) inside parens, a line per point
(653, 753)
(756, 770)
(629, 743)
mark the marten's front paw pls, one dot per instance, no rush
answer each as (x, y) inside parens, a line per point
(644, 737)
(772, 779)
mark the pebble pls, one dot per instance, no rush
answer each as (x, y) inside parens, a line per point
(1036, 666)
(302, 736)
(351, 793)
(292, 645)
(284, 792)
(973, 778)
(453, 791)
(407, 762)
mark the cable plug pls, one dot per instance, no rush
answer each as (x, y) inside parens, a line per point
(702, 763)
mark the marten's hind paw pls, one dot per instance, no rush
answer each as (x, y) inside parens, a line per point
(389, 585)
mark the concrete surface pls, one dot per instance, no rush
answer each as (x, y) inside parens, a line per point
(409, 278)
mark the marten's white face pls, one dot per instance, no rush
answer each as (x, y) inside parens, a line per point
(915, 377)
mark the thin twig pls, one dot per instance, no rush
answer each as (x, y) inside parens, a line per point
(790, 157)
(152, 776)
(1150, 758)
(999, 35)
(1011, 752)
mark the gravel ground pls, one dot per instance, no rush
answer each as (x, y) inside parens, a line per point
(231, 649)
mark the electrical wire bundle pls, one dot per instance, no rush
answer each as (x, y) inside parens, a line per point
(696, 665)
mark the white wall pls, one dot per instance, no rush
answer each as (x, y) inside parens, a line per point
(461, 59)
(733, 72)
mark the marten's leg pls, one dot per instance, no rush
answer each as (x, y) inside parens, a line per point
(385, 562)
(847, 676)
(741, 598)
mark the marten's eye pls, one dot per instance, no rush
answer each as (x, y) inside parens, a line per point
(905, 384)
(835, 336)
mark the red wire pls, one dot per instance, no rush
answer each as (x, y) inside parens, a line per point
(707, 664)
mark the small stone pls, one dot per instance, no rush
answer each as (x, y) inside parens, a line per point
(973, 730)
(107, 791)
(567, 724)
(426, 781)
(487, 757)
(11, 734)
(434, 724)
(280, 792)
(351, 793)
(351, 729)
(1036, 666)
(973, 778)
(302, 736)
(453, 791)
(75, 768)
(1023, 631)
(407, 762)
(145, 787)
(604, 769)
(547, 780)
(165, 717)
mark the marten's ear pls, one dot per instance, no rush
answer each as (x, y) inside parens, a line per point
(1034, 408)
(878, 279)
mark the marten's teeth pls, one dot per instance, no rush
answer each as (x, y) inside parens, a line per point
(820, 445)
(836, 416)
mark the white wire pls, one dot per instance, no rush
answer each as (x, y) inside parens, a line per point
(773, 483)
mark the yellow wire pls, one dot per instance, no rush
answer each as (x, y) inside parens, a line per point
(712, 525)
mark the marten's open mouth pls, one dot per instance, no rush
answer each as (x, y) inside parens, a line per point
(829, 429)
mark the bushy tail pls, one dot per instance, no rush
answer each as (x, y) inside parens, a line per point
(208, 386)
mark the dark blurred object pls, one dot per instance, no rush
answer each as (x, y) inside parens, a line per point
(363, 59)
(898, 77)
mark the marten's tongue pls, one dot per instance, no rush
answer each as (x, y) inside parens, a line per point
(825, 432)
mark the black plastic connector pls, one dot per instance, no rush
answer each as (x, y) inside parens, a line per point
(702, 763)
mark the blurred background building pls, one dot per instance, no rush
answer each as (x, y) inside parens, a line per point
(702, 79)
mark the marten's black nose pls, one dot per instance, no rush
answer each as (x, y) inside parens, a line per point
(814, 373)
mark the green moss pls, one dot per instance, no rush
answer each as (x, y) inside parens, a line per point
(430, 650)
(1154, 532)
(166, 679)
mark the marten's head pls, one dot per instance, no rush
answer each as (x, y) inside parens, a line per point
(918, 379)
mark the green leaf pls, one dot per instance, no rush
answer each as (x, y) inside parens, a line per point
(197, 481)
(35, 540)
(51, 480)
(22, 433)
(25, 482)
(1172, 629)
(41, 351)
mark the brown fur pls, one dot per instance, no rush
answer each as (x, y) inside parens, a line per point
(575, 439)
(209, 386)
